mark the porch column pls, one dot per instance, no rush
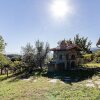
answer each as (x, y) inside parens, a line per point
(55, 67)
(65, 65)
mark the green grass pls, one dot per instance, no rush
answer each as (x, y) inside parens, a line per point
(18, 89)
(92, 65)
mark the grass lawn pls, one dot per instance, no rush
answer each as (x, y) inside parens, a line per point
(92, 65)
(40, 88)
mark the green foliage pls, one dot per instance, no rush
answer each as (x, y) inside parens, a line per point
(96, 60)
(91, 65)
(97, 57)
(3, 60)
(41, 53)
(4, 63)
(28, 55)
(97, 54)
(83, 43)
(88, 57)
(2, 44)
(16, 66)
(35, 57)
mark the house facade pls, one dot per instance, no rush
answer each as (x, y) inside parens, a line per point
(65, 57)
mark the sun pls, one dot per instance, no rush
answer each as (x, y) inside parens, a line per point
(60, 8)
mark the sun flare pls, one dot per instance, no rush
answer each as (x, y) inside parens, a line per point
(60, 8)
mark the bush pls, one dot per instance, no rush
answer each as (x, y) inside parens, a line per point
(97, 57)
(97, 60)
(88, 57)
(16, 66)
(97, 54)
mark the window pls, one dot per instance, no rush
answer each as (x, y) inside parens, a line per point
(73, 65)
(67, 56)
(60, 57)
(73, 57)
(55, 56)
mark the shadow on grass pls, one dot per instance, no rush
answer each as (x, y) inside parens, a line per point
(75, 75)
(4, 77)
(24, 75)
(69, 76)
(13, 77)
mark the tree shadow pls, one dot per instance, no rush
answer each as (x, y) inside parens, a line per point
(74, 75)
(27, 74)
(69, 76)
(13, 77)
(5, 78)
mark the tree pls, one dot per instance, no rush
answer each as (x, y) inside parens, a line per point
(2, 44)
(35, 57)
(16, 66)
(83, 43)
(4, 62)
(28, 56)
(41, 53)
(3, 59)
(65, 42)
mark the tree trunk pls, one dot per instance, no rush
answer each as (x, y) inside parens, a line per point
(41, 66)
(1, 71)
(6, 71)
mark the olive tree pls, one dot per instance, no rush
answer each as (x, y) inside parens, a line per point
(28, 54)
(35, 57)
(41, 53)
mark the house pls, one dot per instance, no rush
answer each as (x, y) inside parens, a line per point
(65, 56)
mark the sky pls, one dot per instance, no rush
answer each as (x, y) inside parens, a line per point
(24, 21)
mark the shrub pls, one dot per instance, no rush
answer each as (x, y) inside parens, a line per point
(97, 54)
(16, 66)
(88, 57)
(97, 57)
